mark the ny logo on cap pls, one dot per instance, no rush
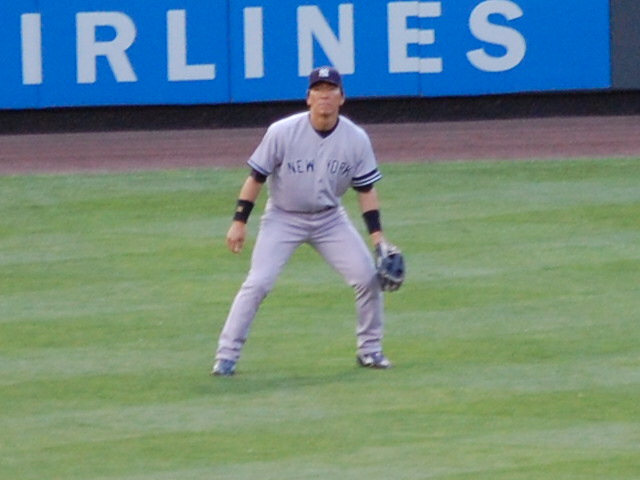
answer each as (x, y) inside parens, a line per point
(324, 72)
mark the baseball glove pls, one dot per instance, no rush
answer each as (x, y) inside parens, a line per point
(390, 266)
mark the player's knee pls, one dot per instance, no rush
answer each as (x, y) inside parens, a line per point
(366, 282)
(259, 286)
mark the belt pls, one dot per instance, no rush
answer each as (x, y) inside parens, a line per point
(310, 212)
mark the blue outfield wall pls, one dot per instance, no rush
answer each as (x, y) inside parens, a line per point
(120, 52)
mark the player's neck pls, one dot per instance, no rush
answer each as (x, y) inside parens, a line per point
(323, 123)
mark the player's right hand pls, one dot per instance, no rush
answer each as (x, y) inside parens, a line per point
(236, 235)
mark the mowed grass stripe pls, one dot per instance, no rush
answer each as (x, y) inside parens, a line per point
(515, 337)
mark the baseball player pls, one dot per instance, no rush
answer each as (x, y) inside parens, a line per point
(309, 160)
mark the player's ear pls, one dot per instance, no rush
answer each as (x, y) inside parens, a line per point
(344, 97)
(308, 94)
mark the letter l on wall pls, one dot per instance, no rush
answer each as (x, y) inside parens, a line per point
(178, 69)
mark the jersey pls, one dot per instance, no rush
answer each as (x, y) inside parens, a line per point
(307, 172)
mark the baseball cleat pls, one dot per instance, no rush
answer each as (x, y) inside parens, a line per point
(224, 368)
(373, 360)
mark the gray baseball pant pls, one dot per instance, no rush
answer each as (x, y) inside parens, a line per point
(333, 235)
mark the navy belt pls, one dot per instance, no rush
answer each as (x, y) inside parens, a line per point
(325, 209)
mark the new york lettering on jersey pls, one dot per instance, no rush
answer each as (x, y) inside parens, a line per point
(301, 183)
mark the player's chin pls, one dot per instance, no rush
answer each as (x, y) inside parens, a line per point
(327, 111)
(326, 105)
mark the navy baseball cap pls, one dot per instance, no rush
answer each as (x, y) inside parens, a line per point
(325, 74)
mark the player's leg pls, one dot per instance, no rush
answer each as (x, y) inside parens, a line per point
(345, 250)
(275, 243)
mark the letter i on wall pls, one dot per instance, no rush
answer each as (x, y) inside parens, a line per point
(31, 32)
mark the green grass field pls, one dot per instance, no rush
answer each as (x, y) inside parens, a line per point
(515, 338)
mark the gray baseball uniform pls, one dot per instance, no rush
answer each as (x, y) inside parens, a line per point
(307, 175)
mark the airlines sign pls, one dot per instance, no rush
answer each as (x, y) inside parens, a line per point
(115, 52)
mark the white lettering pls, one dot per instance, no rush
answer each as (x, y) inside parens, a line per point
(178, 69)
(104, 40)
(340, 51)
(253, 43)
(510, 39)
(89, 48)
(31, 31)
(400, 37)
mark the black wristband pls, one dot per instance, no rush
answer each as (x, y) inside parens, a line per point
(243, 210)
(372, 220)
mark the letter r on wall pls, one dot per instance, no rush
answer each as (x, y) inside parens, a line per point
(89, 48)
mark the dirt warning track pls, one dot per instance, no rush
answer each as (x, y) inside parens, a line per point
(530, 138)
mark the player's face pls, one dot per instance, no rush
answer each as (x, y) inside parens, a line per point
(325, 99)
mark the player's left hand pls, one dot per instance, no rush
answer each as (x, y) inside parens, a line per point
(390, 266)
